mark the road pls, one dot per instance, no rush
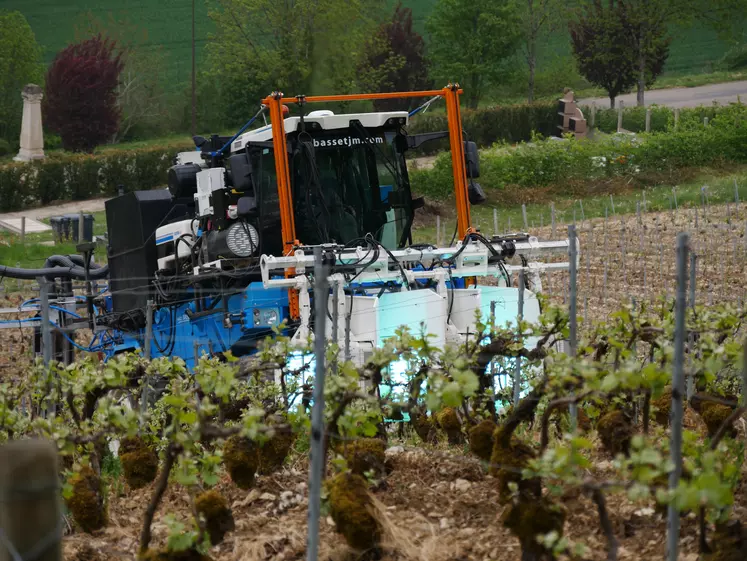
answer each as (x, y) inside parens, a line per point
(683, 97)
(92, 205)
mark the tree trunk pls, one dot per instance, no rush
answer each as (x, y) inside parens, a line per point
(612, 102)
(473, 95)
(531, 51)
(641, 79)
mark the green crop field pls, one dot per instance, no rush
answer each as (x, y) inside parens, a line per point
(166, 25)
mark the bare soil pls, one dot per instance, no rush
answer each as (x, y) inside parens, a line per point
(437, 505)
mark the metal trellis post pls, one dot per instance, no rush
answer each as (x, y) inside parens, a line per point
(321, 294)
(678, 390)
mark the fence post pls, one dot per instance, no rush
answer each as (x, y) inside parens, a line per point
(573, 315)
(648, 119)
(81, 227)
(552, 217)
(45, 331)
(438, 230)
(520, 318)
(23, 229)
(736, 193)
(148, 329)
(693, 266)
(495, 222)
(321, 295)
(678, 383)
(524, 215)
(30, 512)
(620, 108)
(593, 121)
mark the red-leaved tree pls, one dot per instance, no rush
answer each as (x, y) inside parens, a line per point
(80, 102)
(394, 61)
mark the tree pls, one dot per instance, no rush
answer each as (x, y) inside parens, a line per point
(472, 42)
(600, 44)
(537, 16)
(81, 94)
(19, 65)
(296, 46)
(394, 60)
(140, 96)
(647, 24)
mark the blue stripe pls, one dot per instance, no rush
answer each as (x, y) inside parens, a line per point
(164, 239)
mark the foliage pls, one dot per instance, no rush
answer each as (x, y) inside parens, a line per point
(320, 42)
(537, 18)
(646, 33)
(19, 65)
(622, 361)
(394, 61)
(144, 106)
(551, 162)
(647, 23)
(80, 102)
(601, 48)
(472, 42)
(486, 126)
(65, 177)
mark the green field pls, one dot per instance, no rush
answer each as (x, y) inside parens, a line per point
(165, 25)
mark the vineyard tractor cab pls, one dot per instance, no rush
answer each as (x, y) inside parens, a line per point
(226, 254)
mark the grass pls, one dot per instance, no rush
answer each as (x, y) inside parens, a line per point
(37, 247)
(719, 190)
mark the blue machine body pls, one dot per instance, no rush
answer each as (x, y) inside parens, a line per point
(180, 330)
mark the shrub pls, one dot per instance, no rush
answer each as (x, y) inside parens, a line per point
(510, 123)
(365, 455)
(481, 439)
(449, 422)
(5, 148)
(63, 177)
(273, 452)
(615, 432)
(139, 463)
(241, 458)
(550, 162)
(350, 507)
(218, 517)
(86, 502)
(80, 102)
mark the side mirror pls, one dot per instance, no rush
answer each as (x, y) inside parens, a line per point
(246, 206)
(199, 141)
(241, 172)
(475, 193)
(417, 140)
(472, 160)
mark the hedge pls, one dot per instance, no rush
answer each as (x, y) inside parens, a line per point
(511, 123)
(65, 177)
(662, 118)
(552, 162)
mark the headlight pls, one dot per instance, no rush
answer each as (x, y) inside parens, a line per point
(242, 239)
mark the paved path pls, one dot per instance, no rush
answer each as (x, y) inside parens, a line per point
(92, 205)
(683, 97)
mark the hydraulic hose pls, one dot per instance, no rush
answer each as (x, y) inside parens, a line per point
(71, 271)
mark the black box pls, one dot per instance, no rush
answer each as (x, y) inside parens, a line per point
(131, 221)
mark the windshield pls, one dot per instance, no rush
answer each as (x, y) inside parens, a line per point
(349, 183)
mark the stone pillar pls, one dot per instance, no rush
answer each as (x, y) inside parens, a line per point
(32, 137)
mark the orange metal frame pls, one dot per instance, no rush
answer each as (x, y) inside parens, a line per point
(275, 102)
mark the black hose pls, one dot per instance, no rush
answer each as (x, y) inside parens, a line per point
(71, 271)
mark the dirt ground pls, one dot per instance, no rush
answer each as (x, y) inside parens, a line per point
(436, 505)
